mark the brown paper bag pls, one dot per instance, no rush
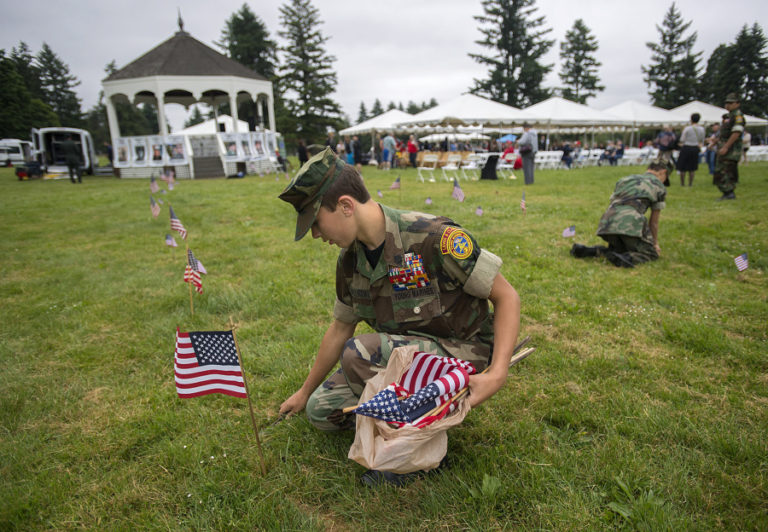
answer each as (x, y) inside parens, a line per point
(407, 449)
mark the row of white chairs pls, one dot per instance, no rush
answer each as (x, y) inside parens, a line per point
(757, 153)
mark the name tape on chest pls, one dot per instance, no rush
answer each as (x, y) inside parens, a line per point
(456, 243)
(411, 275)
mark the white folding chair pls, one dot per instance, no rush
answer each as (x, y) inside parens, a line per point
(428, 164)
(472, 164)
(452, 164)
(507, 163)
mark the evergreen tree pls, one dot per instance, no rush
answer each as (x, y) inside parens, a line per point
(413, 108)
(19, 111)
(195, 118)
(377, 109)
(391, 106)
(362, 114)
(245, 39)
(673, 73)
(57, 86)
(432, 103)
(25, 65)
(579, 72)
(306, 75)
(514, 35)
(400, 106)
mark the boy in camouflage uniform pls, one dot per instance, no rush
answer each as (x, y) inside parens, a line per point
(414, 278)
(729, 149)
(631, 238)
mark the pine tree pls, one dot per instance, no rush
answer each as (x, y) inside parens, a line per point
(195, 118)
(245, 39)
(25, 65)
(673, 74)
(579, 72)
(57, 86)
(377, 109)
(514, 35)
(749, 54)
(306, 75)
(362, 114)
(391, 106)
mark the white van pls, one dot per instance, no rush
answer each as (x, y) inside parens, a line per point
(15, 151)
(47, 149)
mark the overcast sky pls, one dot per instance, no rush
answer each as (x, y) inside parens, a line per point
(396, 50)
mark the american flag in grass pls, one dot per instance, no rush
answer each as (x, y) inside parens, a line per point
(206, 362)
(176, 224)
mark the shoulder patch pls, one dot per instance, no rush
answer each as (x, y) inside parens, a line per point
(738, 119)
(456, 243)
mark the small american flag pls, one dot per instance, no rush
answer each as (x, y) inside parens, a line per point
(169, 241)
(522, 202)
(153, 185)
(396, 184)
(176, 224)
(479, 211)
(191, 275)
(170, 185)
(206, 362)
(457, 192)
(741, 262)
(431, 381)
(428, 201)
(154, 207)
(195, 262)
(569, 231)
(378, 193)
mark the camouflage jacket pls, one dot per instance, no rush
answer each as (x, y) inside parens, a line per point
(432, 280)
(734, 123)
(633, 196)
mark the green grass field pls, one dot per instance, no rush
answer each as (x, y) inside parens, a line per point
(645, 405)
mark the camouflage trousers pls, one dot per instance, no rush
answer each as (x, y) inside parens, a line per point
(361, 358)
(638, 249)
(726, 175)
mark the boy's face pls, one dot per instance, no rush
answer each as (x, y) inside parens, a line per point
(334, 227)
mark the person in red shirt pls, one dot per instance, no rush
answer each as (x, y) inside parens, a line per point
(413, 149)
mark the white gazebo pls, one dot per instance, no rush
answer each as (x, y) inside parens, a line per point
(183, 70)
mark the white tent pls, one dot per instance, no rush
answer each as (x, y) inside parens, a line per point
(558, 111)
(637, 114)
(210, 127)
(467, 110)
(452, 137)
(712, 114)
(383, 122)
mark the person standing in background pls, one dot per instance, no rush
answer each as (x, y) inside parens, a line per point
(691, 140)
(527, 147)
(413, 150)
(711, 152)
(729, 149)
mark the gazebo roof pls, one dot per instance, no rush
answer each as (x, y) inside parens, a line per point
(183, 55)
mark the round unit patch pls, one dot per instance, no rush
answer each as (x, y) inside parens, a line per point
(456, 242)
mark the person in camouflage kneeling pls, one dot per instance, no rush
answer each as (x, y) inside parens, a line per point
(632, 239)
(414, 278)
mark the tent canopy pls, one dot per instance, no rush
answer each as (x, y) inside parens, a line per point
(637, 114)
(712, 114)
(467, 110)
(383, 122)
(453, 137)
(558, 111)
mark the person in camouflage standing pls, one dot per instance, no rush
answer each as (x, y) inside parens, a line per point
(729, 149)
(632, 239)
(414, 278)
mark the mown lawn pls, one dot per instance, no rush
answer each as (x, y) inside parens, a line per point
(645, 405)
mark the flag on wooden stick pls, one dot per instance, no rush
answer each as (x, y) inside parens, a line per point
(169, 241)
(569, 231)
(457, 192)
(153, 185)
(206, 362)
(742, 263)
(176, 224)
(522, 202)
(396, 184)
(154, 207)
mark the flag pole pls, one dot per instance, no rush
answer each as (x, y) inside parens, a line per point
(248, 396)
(191, 302)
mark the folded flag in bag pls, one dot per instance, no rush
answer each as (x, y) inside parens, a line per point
(430, 382)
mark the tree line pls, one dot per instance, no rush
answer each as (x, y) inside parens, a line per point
(39, 89)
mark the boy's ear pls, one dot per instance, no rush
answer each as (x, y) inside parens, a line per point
(347, 204)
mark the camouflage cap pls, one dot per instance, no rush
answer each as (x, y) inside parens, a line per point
(667, 164)
(732, 97)
(305, 192)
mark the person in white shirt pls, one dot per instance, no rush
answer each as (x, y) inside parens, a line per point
(691, 141)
